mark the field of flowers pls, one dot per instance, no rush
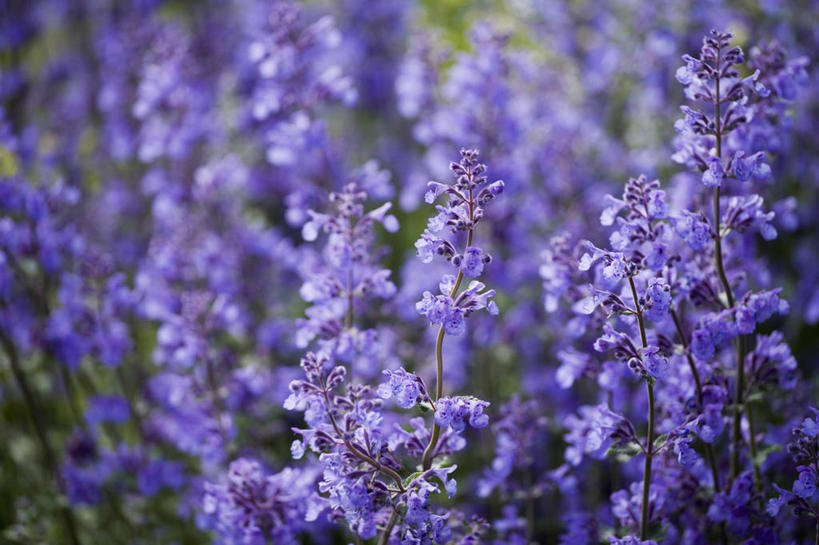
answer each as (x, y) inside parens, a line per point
(409, 272)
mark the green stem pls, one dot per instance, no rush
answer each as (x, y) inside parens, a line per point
(644, 511)
(385, 537)
(348, 317)
(754, 459)
(709, 450)
(69, 394)
(129, 398)
(644, 515)
(739, 392)
(426, 459)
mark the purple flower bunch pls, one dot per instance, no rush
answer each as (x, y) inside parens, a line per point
(468, 197)
(668, 266)
(804, 449)
(364, 481)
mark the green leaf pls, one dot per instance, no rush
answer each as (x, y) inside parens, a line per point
(657, 531)
(624, 452)
(763, 453)
(660, 441)
(411, 478)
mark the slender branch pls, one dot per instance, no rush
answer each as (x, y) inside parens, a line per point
(752, 443)
(385, 537)
(355, 451)
(216, 399)
(639, 312)
(136, 418)
(709, 450)
(649, 450)
(426, 459)
(348, 317)
(69, 394)
(736, 436)
(644, 515)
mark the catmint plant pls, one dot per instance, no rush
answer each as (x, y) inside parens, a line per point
(804, 450)
(214, 329)
(467, 199)
(712, 78)
(662, 257)
(364, 479)
(639, 250)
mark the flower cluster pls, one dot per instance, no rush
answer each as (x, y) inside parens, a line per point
(463, 211)
(255, 507)
(344, 277)
(661, 259)
(804, 450)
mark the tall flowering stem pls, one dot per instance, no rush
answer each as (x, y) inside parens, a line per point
(649, 450)
(716, 62)
(363, 476)
(641, 255)
(439, 346)
(464, 210)
(736, 438)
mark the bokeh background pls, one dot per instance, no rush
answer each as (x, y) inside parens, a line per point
(157, 163)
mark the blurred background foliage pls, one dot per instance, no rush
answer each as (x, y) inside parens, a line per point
(52, 68)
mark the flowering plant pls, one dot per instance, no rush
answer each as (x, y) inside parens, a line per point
(234, 309)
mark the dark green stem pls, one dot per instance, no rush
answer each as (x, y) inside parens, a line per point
(385, 537)
(644, 515)
(136, 418)
(69, 394)
(649, 450)
(348, 317)
(739, 392)
(709, 450)
(754, 458)
(426, 459)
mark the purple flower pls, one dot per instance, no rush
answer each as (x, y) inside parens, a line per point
(712, 177)
(406, 388)
(455, 412)
(472, 262)
(805, 485)
(745, 168)
(658, 299)
(694, 229)
(655, 363)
